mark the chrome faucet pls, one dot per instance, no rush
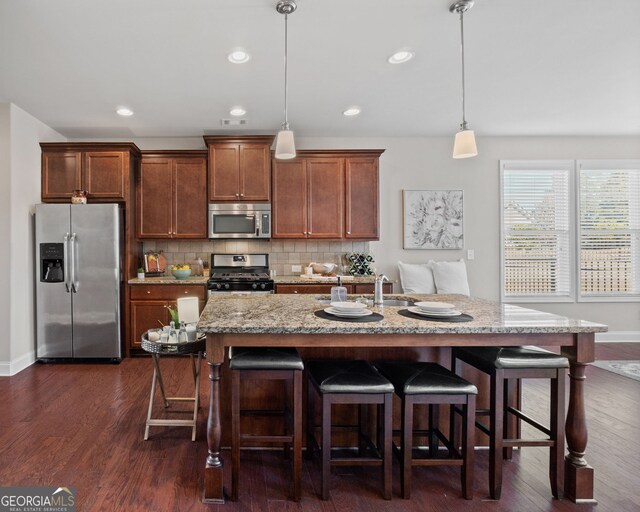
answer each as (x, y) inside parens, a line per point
(378, 297)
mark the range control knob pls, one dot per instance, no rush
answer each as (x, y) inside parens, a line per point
(263, 286)
(218, 286)
(226, 286)
(254, 286)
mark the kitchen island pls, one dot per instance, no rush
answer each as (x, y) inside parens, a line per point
(288, 320)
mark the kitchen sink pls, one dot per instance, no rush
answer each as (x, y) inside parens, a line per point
(385, 302)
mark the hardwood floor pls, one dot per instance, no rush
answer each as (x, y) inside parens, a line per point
(82, 426)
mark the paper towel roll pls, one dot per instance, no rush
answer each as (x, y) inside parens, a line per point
(188, 310)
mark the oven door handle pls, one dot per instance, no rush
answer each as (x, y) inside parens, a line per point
(258, 224)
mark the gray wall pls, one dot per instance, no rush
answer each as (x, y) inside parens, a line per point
(19, 192)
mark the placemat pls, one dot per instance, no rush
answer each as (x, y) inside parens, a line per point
(454, 319)
(375, 317)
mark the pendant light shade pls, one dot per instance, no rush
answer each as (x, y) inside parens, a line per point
(464, 145)
(285, 143)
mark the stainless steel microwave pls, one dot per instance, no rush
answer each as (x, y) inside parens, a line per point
(240, 220)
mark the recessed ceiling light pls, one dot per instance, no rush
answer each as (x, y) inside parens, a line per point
(238, 56)
(124, 111)
(237, 111)
(401, 56)
(351, 111)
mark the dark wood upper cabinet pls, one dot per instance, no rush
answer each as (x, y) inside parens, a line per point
(224, 176)
(104, 174)
(155, 198)
(289, 212)
(172, 195)
(255, 172)
(190, 193)
(361, 198)
(325, 191)
(239, 168)
(331, 194)
(61, 174)
(102, 169)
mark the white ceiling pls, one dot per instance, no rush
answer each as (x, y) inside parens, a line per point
(535, 67)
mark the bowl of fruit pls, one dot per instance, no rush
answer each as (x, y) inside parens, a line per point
(181, 271)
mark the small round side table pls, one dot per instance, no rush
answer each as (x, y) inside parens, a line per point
(156, 349)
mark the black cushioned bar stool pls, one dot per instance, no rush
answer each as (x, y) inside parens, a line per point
(350, 382)
(505, 365)
(432, 384)
(253, 363)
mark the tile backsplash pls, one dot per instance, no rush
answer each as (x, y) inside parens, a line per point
(282, 253)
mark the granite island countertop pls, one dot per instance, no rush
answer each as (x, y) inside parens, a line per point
(294, 314)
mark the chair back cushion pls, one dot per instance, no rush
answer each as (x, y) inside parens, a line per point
(450, 277)
(417, 278)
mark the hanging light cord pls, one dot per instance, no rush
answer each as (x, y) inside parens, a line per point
(463, 126)
(285, 125)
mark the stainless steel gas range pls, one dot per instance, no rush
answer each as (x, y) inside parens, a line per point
(239, 273)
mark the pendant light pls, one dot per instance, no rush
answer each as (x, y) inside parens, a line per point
(464, 145)
(285, 145)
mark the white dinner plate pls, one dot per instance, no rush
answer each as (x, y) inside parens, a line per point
(435, 306)
(348, 306)
(351, 314)
(447, 314)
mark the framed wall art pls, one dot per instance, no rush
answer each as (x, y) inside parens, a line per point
(432, 219)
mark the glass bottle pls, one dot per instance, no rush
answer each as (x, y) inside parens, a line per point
(182, 335)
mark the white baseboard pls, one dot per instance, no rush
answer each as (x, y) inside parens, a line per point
(618, 337)
(9, 368)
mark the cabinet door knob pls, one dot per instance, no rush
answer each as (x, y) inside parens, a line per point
(169, 233)
(186, 293)
(237, 195)
(348, 232)
(295, 291)
(241, 195)
(308, 233)
(148, 292)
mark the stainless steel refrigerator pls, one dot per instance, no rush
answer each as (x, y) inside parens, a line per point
(78, 281)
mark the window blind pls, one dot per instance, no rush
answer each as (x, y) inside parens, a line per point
(609, 230)
(537, 234)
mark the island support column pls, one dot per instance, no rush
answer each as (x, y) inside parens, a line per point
(578, 478)
(214, 470)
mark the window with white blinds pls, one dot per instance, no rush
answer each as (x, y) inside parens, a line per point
(537, 231)
(609, 230)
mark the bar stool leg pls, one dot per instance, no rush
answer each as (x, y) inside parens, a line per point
(311, 421)
(407, 446)
(388, 434)
(556, 453)
(326, 446)
(434, 421)
(510, 386)
(496, 437)
(468, 441)
(235, 433)
(297, 433)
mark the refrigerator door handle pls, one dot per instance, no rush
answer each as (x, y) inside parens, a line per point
(65, 268)
(73, 245)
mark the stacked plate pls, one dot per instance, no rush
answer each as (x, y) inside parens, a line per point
(435, 309)
(348, 309)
